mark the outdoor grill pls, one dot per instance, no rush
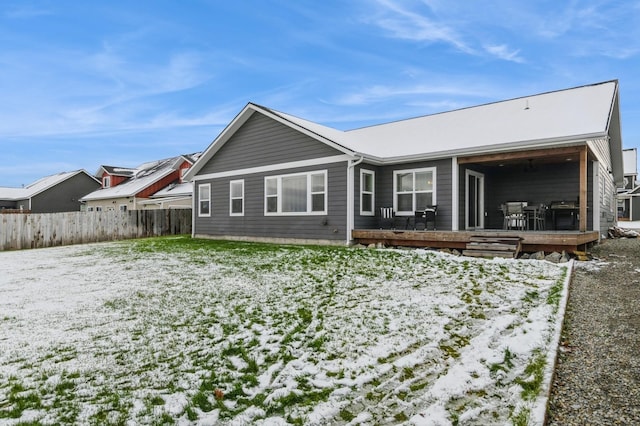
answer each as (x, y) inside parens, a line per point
(560, 205)
(564, 214)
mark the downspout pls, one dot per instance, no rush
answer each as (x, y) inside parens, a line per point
(597, 202)
(193, 209)
(455, 194)
(351, 164)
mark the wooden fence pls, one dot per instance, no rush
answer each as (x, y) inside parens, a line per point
(36, 230)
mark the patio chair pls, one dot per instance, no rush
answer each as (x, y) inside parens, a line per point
(514, 216)
(387, 217)
(541, 217)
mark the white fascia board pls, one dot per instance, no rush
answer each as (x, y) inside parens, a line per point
(108, 197)
(162, 200)
(276, 167)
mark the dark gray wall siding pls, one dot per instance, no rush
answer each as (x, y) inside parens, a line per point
(384, 191)
(64, 196)
(264, 141)
(255, 224)
(365, 222)
(4, 204)
(543, 185)
(635, 208)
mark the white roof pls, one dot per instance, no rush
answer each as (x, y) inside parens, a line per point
(37, 187)
(564, 115)
(146, 175)
(533, 122)
(179, 190)
(13, 193)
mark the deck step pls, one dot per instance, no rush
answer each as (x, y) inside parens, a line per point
(497, 246)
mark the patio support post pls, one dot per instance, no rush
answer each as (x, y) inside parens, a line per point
(455, 194)
(583, 189)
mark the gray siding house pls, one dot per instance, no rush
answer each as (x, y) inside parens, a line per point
(52, 194)
(272, 176)
(629, 193)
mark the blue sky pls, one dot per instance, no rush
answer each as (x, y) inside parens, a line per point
(85, 83)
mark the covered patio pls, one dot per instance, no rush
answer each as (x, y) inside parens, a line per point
(550, 186)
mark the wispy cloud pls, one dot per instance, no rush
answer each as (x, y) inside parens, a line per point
(502, 51)
(403, 23)
(386, 92)
(25, 11)
(104, 90)
(432, 21)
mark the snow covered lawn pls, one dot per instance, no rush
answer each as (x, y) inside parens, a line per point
(175, 330)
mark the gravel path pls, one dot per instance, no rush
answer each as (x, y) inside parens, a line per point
(597, 379)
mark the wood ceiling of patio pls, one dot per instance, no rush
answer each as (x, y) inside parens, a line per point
(552, 155)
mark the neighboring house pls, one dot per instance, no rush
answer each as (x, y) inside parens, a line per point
(56, 193)
(134, 189)
(272, 176)
(629, 193)
(174, 196)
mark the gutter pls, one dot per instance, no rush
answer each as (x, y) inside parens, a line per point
(351, 165)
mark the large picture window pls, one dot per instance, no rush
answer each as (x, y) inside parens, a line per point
(367, 192)
(204, 199)
(414, 190)
(236, 198)
(296, 194)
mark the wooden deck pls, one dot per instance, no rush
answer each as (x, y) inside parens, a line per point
(531, 241)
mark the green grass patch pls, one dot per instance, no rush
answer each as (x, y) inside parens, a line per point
(531, 381)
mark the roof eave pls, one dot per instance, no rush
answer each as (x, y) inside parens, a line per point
(487, 149)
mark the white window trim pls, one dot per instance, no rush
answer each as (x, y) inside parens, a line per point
(120, 207)
(106, 181)
(308, 175)
(231, 198)
(373, 192)
(414, 171)
(204, 187)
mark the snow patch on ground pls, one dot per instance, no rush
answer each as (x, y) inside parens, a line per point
(124, 332)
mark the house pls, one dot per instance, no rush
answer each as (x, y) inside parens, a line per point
(51, 194)
(629, 193)
(138, 188)
(272, 176)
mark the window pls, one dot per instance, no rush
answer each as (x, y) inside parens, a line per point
(413, 190)
(296, 194)
(98, 208)
(183, 172)
(236, 198)
(204, 199)
(367, 188)
(123, 207)
(106, 181)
